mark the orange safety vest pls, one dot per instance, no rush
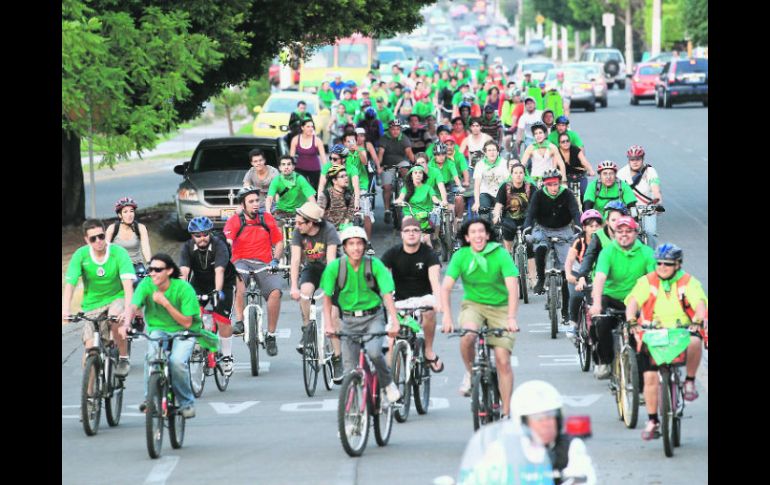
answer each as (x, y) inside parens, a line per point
(681, 285)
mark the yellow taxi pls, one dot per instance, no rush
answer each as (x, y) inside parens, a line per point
(273, 118)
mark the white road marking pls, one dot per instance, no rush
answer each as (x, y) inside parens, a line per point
(232, 408)
(438, 403)
(559, 359)
(283, 333)
(581, 401)
(160, 472)
(302, 407)
(263, 366)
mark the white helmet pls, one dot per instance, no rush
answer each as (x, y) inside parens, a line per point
(353, 231)
(533, 397)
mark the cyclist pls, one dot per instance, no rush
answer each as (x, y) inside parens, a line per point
(435, 177)
(458, 133)
(644, 181)
(418, 136)
(553, 209)
(613, 211)
(394, 147)
(547, 119)
(371, 125)
(337, 122)
(421, 196)
(544, 154)
(307, 149)
(170, 306)
(450, 176)
(530, 116)
(562, 125)
(204, 261)
(490, 297)
(607, 188)
(107, 275)
(337, 201)
(359, 148)
(416, 271)
(620, 264)
(384, 114)
(514, 196)
(260, 175)
(528, 82)
(682, 299)
(339, 155)
(292, 189)
(591, 220)
(314, 242)
(131, 235)
(575, 162)
(473, 145)
(366, 285)
(445, 96)
(489, 174)
(491, 124)
(256, 242)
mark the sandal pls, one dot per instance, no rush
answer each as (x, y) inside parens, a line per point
(433, 361)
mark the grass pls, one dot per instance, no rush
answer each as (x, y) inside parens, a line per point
(246, 129)
(182, 156)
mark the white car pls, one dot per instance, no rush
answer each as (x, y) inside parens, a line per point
(505, 42)
(537, 66)
(614, 65)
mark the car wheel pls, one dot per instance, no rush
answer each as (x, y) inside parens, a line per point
(666, 100)
(603, 102)
(658, 99)
(609, 86)
(591, 106)
(621, 85)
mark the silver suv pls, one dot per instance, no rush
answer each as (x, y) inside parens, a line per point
(215, 173)
(614, 65)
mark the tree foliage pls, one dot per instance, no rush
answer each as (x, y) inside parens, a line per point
(695, 15)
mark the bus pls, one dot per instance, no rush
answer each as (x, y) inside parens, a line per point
(350, 57)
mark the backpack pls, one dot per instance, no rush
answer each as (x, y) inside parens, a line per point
(342, 276)
(598, 188)
(347, 195)
(243, 224)
(116, 227)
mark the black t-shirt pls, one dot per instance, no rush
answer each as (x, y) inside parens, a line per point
(314, 247)
(410, 271)
(445, 96)
(516, 207)
(419, 139)
(574, 166)
(202, 263)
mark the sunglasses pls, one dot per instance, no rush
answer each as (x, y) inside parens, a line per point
(666, 263)
(200, 234)
(336, 158)
(155, 269)
(564, 141)
(98, 236)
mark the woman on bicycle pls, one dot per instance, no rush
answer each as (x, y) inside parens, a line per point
(308, 148)
(490, 173)
(544, 155)
(404, 106)
(421, 197)
(337, 122)
(514, 197)
(591, 220)
(575, 163)
(131, 235)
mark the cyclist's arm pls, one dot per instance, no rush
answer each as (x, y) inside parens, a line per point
(69, 290)
(512, 285)
(559, 163)
(592, 253)
(409, 154)
(331, 253)
(568, 262)
(372, 152)
(268, 206)
(321, 182)
(219, 278)
(184, 273)
(321, 150)
(434, 272)
(584, 162)
(108, 233)
(632, 307)
(296, 256)
(278, 250)
(527, 154)
(184, 320)
(574, 210)
(390, 307)
(378, 159)
(293, 147)
(477, 190)
(145, 241)
(599, 280)
(530, 219)
(655, 187)
(401, 196)
(446, 304)
(442, 192)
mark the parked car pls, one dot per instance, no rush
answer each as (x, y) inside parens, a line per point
(537, 66)
(577, 84)
(596, 76)
(682, 81)
(643, 81)
(535, 47)
(614, 65)
(505, 41)
(273, 118)
(215, 173)
(408, 49)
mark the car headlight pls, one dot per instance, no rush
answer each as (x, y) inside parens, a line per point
(264, 126)
(187, 194)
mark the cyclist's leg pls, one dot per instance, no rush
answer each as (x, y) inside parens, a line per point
(575, 297)
(240, 303)
(541, 249)
(222, 318)
(348, 346)
(470, 317)
(88, 330)
(368, 215)
(116, 309)
(150, 353)
(509, 232)
(179, 364)
(694, 354)
(308, 282)
(650, 374)
(651, 227)
(388, 175)
(604, 327)
(270, 286)
(497, 317)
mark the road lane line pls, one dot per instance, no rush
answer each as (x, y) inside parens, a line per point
(160, 472)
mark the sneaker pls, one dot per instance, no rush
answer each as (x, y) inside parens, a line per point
(238, 328)
(270, 345)
(651, 431)
(301, 344)
(124, 367)
(571, 331)
(392, 392)
(337, 369)
(142, 407)
(227, 365)
(387, 218)
(602, 371)
(465, 387)
(690, 393)
(539, 288)
(188, 412)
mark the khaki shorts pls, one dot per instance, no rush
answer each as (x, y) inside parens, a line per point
(114, 308)
(491, 316)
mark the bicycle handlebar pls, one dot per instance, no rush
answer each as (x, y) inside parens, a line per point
(362, 337)
(81, 316)
(497, 332)
(281, 267)
(185, 334)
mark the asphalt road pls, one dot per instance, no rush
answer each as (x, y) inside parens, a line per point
(265, 430)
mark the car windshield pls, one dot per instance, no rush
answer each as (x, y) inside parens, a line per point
(537, 67)
(230, 157)
(462, 49)
(286, 105)
(388, 56)
(536, 43)
(324, 57)
(353, 55)
(650, 70)
(606, 56)
(694, 65)
(576, 75)
(473, 62)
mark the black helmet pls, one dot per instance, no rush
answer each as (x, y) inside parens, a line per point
(539, 125)
(439, 149)
(244, 192)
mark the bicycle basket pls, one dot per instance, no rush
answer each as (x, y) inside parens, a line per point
(667, 346)
(209, 340)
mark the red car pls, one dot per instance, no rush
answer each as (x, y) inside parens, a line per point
(643, 81)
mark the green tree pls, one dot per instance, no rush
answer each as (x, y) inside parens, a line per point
(695, 16)
(227, 102)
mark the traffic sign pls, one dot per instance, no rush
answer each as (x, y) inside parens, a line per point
(540, 19)
(608, 19)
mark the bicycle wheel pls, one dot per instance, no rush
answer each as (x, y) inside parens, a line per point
(383, 420)
(446, 239)
(554, 293)
(197, 370)
(629, 386)
(521, 263)
(154, 414)
(328, 367)
(666, 414)
(353, 415)
(401, 379)
(583, 342)
(91, 395)
(176, 425)
(616, 382)
(310, 360)
(421, 379)
(113, 404)
(220, 378)
(481, 406)
(253, 341)
(494, 398)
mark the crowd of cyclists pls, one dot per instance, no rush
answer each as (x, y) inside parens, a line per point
(485, 152)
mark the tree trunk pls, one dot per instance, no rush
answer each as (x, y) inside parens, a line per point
(73, 195)
(229, 120)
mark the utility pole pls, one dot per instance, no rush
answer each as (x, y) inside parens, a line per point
(577, 45)
(608, 20)
(629, 40)
(593, 36)
(656, 27)
(564, 44)
(554, 40)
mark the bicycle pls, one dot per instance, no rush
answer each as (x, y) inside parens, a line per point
(668, 350)
(624, 378)
(253, 314)
(521, 260)
(573, 184)
(485, 393)
(446, 231)
(313, 360)
(287, 231)
(583, 341)
(553, 284)
(642, 211)
(162, 409)
(99, 379)
(410, 372)
(359, 399)
(202, 362)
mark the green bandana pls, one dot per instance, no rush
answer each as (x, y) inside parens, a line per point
(561, 189)
(479, 260)
(290, 181)
(491, 165)
(666, 284)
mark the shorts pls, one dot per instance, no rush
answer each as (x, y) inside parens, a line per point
(415, 301)
(388, 175)
(366, 208)
(311, 274)
(279, 215)
(114, 308)
(491, 316)
(224, 307)
(268, 282)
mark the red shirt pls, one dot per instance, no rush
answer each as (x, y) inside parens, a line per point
(459, 138)
(254, 242)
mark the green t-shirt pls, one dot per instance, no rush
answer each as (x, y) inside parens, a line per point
(351, 105)
(623, 268)
(448, 171)
(350, 167)
(296, 193)
(327, 98)
(484, 285)
(481, 76)
(553, 137)
(180, 294)
(393, 100)
(458, 97)
(354, 159)
(356, 295)
(461, 164)
(434, 177)
(608, 194)
(385, 115)
(423, 108)
(99, 291)
(421, 200)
